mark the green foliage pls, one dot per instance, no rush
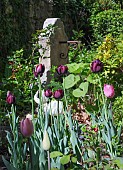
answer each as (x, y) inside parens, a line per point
(105, 22)
(118, 109)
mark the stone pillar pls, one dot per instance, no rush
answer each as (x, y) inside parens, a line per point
(53, 53)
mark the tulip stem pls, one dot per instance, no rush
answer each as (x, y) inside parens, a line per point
(40, 97)
(104, 102)
(30, 152)
(51, 112)
(33, 110)
(58, 115)
(49, 164)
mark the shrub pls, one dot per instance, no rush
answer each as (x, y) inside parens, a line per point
(107, 21)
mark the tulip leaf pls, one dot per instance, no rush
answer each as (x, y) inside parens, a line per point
(55, 154)
(8, 165)
(73, 140)
(65, 159)
(70, 81)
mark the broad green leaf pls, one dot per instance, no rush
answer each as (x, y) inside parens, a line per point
(118, 161)
(72, 67)
(70, 81)
(84, 87)
(91, 79)
(65, 159)
(74, 160)
(82, 90)
(55, 154)
(78, 93)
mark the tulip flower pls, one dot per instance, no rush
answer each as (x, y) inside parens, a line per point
(61, 70)
(26, 127)
(96, 66)
(39, 70)
(46, 141)
(48, 93)
(10, 99)
(109, 90)
(58, 94)
(96, 129)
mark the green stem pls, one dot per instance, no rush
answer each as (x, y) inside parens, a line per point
(30, 151)
(51, 113)
(103, 98)
(14, 131)
(40, 97)
(58, 115)
(32, 109)
(65, 94)
(49, 164)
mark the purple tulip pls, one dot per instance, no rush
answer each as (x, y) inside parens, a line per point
(48, 93)
(39, 70)
(109, 91)
(26, 127)
(58, 94)
(96, 66)
(10, 99)
(61, 70)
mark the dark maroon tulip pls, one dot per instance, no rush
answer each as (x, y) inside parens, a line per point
(48, 93)
(58, 94)
(39, 70)
(36, 74)
(96, 66)
(61, 70)
(10, 99)
(26, 127)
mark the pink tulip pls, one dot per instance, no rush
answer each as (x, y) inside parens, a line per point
(109, 90)
(26, 127)
(10, 99)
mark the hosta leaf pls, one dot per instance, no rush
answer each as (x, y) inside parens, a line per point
(73, 67)
(84, 87)
(70, 81)
(78, 93)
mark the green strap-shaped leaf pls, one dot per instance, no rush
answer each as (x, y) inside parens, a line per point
(8, 165)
